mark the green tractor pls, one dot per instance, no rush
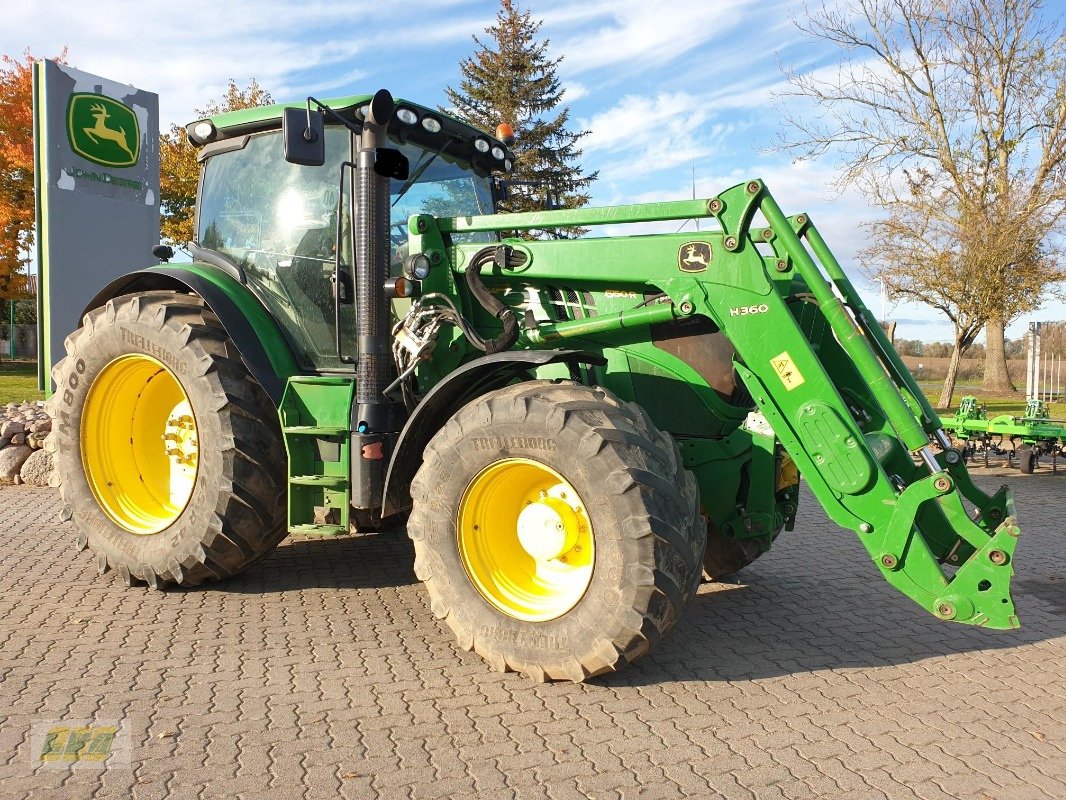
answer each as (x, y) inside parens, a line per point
(577, 430)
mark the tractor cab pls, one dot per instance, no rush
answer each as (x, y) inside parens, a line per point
(278, 224)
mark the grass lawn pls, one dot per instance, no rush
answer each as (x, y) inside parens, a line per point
(18, 382)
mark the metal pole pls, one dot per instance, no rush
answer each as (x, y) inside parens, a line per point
(1029, 362)
(11, 329)
(1033, 389)
(1043, 380)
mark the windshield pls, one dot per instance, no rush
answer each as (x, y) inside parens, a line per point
(278, 222)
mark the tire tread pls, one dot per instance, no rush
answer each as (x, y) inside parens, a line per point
(648, 479)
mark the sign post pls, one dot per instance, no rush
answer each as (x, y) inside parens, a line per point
(96, 146)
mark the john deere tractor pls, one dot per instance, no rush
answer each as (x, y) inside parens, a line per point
(574, 430)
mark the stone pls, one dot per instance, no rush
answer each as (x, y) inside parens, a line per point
(18, 438)
(37, 469)
(11, 427)
(41, 426)
(4, 442)
(36, 440)
(11, 460)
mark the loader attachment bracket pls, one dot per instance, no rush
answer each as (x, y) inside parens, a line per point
(979, 591)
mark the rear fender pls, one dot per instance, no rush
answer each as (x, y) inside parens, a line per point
(249, 325)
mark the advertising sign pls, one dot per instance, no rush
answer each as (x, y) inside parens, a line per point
(96, 144)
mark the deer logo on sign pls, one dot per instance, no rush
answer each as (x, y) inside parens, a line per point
(103, 130)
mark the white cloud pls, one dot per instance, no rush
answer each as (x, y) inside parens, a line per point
(640, 135)
(188, 53)
(574, 91)
(636, 34)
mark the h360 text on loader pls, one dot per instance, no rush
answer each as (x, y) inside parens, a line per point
(579, 428)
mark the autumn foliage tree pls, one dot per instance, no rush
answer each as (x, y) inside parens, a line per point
(17, 214)
(179, 172)
(973, 267)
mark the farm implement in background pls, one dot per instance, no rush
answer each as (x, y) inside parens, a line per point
(1021, 439)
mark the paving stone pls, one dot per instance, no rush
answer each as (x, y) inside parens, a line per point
(321, 673)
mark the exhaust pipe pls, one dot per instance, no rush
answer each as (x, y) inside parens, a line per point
(371, 214)
(375, 420)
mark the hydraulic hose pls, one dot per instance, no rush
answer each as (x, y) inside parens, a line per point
(490, 302)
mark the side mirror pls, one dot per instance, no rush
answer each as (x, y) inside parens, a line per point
(391, 163)
(305, 137)
(163, 252)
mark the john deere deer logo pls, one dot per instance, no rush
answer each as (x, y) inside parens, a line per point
(694, 256)
(103, 130)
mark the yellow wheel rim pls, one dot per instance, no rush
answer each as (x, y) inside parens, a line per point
(139, 444)
(525, 540)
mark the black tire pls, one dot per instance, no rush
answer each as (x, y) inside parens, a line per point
(725, 556)
(1026, 459)
(642, 504)
(235, 515)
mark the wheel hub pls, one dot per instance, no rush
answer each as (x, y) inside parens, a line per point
(525, 540)
(183, 449)
(547, 528)
(139, 444)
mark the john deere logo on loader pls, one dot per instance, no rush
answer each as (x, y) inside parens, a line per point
(694, 256)
(103, 130)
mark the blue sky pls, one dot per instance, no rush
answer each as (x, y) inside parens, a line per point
(673, 92)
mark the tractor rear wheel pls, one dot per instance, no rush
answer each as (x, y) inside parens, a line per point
(168, 453)
(725, 556)
(556, 530)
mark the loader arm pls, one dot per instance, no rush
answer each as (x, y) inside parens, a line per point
(835, 392)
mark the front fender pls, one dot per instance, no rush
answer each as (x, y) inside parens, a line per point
(473, 379)
(249, 325)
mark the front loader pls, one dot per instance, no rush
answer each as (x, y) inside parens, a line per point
(577, 430)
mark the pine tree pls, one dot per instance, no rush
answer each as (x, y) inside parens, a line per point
(513, 80)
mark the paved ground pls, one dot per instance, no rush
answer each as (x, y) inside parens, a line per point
(321, 673)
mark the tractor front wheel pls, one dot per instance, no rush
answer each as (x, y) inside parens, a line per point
(168, 453)
(556, 530)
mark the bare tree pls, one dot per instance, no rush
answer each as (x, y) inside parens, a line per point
(951, 115)
(967, 268)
